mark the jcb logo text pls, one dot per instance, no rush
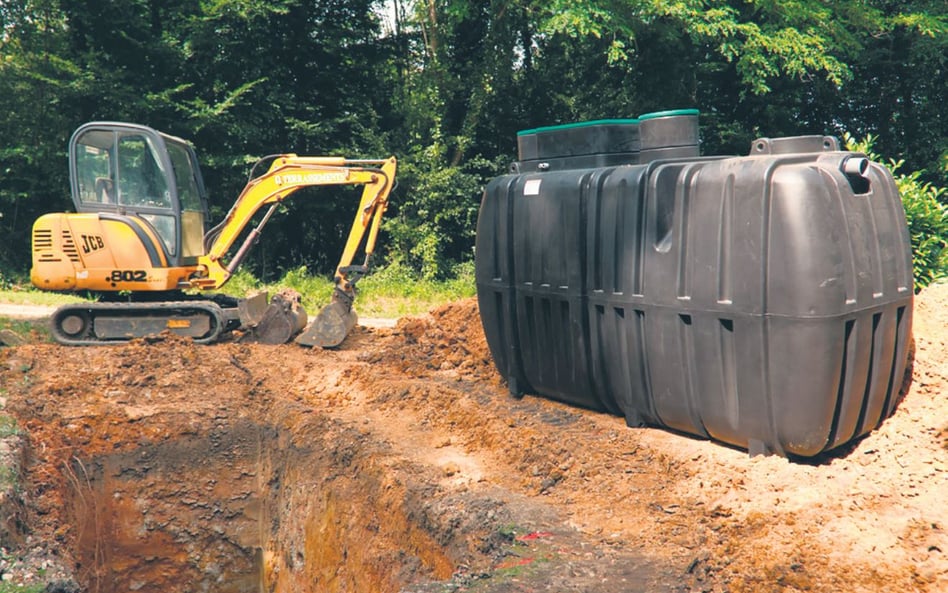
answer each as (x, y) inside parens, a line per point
(92, 243)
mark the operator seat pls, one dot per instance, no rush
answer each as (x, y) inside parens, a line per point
(104, 190)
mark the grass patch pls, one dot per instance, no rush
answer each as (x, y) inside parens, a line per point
(394, 292)
(8, 427)
(389, 292)
(7, 481)
(19, 295)
(8, 476)
(14, 588)
(32, 330)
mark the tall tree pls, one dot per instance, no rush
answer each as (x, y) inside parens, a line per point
(241, 78)
(445, 88)
(38, 84)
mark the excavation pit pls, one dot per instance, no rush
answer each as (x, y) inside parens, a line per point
(158, 478)
(166, 466)
(248, 508)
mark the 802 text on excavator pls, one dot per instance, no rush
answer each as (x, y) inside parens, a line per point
(139, 240)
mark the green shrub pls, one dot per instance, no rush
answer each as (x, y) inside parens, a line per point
(241, 283)
(435, 214)
(926, 215)
(314, 290)
(390, 291)
(928, 225)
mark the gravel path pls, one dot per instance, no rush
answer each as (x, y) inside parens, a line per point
(14, 311)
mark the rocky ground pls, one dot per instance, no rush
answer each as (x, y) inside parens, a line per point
(399, 462)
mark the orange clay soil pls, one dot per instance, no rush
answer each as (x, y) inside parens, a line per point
(400, 462)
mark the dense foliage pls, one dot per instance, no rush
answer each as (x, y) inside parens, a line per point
(927, 215)
(445, 85)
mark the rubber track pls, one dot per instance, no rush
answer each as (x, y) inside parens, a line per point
(132, 310)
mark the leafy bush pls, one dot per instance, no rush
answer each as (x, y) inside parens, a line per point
(242, 283)
(928, 226)
(436, 213)
(926, 215)
(315, 291)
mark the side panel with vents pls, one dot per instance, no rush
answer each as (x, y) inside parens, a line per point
(101, 252)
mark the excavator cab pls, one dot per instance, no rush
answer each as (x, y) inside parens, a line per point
(127, 170)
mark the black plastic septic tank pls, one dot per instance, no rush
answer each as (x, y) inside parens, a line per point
(764, 301)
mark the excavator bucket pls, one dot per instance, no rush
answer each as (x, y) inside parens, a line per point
(251, 309)
(282, 319)
(331, 326)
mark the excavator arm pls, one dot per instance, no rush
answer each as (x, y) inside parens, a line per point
(287, 174)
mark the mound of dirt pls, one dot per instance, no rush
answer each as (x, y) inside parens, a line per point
(450, 339)
(511, 494)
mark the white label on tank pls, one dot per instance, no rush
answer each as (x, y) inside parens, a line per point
(532, 187)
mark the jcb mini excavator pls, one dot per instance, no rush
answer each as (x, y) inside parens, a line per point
(138, 240)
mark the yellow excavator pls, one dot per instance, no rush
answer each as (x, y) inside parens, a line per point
(138, 239)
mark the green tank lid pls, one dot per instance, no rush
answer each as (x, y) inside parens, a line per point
(671, 113)
(583, 124)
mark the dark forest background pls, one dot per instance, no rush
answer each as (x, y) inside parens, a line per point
(445, 85)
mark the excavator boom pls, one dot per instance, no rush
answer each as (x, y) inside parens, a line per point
(287, 174)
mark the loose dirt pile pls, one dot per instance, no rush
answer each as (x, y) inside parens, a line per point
(399, 462)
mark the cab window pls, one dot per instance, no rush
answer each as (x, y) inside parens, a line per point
(94, 167)
(141, 180)
(189, 195)
(124, 172)
(127, 172)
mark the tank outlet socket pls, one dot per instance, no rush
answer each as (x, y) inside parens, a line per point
(856, 166)
(855, 169)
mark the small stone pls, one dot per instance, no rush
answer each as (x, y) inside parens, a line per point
(10, 338)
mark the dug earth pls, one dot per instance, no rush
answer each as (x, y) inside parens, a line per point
(400, 463)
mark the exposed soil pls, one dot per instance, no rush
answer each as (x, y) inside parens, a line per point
(400, 463)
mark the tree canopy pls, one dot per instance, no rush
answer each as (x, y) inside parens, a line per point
(445, 85)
